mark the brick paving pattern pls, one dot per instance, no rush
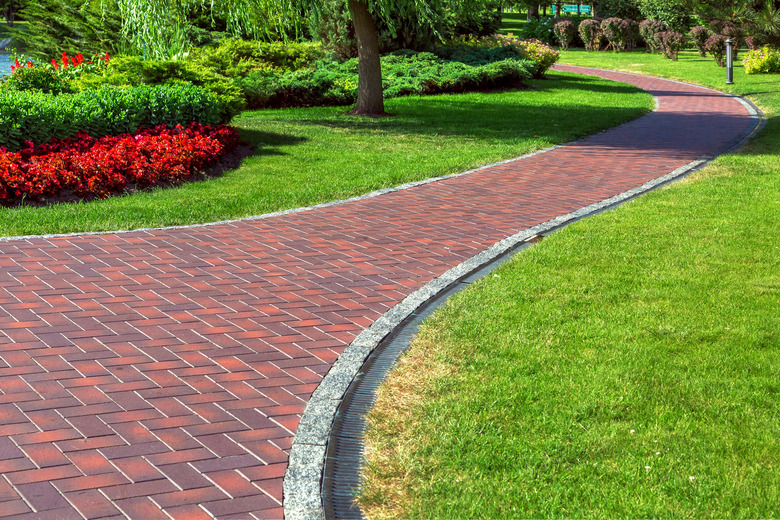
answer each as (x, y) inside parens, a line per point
(161, 374)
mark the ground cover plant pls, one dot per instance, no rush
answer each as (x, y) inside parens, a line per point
(624, 367)
(313, 155)
(89, 167)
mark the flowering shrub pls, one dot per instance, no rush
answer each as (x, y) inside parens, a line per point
(590, 32)
(91, 167)
(671, 43)
(38, 117)
(699, 35)
(564, 32)
(761, 60)
(615, 30)
(716, 47)
(648, 29)
(543, 55)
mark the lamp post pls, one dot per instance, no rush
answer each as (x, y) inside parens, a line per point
(729, 63)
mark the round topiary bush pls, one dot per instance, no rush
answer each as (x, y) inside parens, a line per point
(564, 32)
(699, 35)
(716, 47)
(590, 32)
(615, 30)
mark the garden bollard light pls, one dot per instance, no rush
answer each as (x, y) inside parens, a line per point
(729, 63)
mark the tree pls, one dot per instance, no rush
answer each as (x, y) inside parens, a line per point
(370, 100)
(758, 17)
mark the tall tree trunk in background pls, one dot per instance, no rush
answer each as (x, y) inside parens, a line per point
(370, 101)
(533, 12)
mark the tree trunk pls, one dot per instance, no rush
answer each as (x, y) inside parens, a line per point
(370, 101)
(533, 12)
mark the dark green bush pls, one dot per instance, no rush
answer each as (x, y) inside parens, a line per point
(38, 117)
(403, 73)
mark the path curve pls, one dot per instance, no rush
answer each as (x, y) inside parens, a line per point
(164, 373)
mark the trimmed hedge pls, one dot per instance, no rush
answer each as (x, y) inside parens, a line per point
(38, 117)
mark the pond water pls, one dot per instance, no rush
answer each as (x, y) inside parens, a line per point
(5, 63)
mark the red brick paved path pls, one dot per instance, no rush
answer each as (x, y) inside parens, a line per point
(161, 374)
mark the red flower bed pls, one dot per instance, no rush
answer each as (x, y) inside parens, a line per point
(91, 167)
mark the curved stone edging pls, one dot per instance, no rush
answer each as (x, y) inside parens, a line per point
(303, 478)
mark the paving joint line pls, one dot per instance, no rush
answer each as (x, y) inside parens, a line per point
(303, 482)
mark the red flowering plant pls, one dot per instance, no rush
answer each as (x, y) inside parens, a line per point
(89, 167)
(72, 66)
(25, 75)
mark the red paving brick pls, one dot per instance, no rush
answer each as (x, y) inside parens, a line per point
(160, 374)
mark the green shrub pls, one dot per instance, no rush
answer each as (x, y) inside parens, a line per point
(564, 30)
(403, 73)
(762, 60)
(542, 55)
(616, 31)
(716, 47)
(671, 43)
(42, 79)
(133, 71)
(238, 58)
(481, 50)
(699, 35)
(541, 28)
(633, 35)
(648, 30)
(675, 14)
(590, 32)
(38, 117)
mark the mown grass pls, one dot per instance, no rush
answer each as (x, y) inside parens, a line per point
(512, 23)
(313, 155)
(625, 367)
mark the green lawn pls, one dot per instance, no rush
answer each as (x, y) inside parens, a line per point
(512, 23)
(625, 367)
(313, 155)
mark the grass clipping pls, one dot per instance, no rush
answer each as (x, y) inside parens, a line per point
(391, 467)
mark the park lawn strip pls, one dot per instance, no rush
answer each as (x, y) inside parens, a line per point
(306, 156)
(625, 366)
(512, 23)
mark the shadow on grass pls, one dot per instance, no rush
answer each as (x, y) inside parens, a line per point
(498, 115)
(263, 143)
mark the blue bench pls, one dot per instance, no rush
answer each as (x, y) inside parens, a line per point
(572, 9)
